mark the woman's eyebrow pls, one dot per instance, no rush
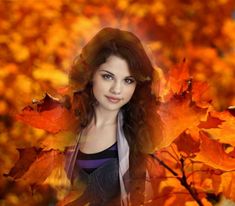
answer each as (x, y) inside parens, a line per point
(107, 71)
(112, 73)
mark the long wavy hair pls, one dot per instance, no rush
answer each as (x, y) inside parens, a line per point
(142, 125)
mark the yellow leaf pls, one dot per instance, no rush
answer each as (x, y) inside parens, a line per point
(59, 181)
(59, 141)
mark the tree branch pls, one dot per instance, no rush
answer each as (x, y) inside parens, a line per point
(182, 179)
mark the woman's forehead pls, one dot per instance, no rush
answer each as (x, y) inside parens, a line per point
(116, 66)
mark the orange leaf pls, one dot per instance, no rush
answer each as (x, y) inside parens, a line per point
(49, 115)
(201, 93)
(178, 78)
(43, 166)
(58, 141)
(224, 131)
(36, 172)
(228, 185)
(178, 115)
(212, 153)
(205, 178)
(26, 157)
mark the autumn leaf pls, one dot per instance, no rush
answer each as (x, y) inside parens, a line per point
(49, 115)
(38, 46)
(212, 153)
(205, 178)
(58, 141)
(179, 78)
(186, 144)
(224, 132)
(176, 82)
(26, 157)
(211, 122)
(59, 181)
(34, 169)
(156, 173)
(177, 115)
(228, 185)
(201, 93)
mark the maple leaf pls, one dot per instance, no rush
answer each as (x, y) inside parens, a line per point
(186, 144)
(157, 173)
(59, 181)
(49, 114)
(177, 115)
(207, 39)
(220, 126)
(205, 178)
(212, 153)
(228, 185)
(26, 157)
(201, 94)
(35, 165)
(179, 78)
(211, 122)
(168, 190)
(58, 141)
(176, 82)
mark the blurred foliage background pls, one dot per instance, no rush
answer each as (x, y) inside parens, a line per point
(40, 39)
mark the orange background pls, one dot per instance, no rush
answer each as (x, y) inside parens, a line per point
(40, 39)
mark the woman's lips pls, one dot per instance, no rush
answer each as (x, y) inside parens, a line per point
(113, 99)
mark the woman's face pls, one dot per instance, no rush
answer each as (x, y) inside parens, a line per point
(113, 85)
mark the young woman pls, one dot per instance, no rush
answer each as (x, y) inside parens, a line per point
(118, 122)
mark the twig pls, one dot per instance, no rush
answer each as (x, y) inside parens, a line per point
(172, 156)
(182, 179)
(164, 165)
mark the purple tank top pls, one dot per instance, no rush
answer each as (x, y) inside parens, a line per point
(90, 162)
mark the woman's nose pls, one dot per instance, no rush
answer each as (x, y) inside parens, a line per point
(116, 88)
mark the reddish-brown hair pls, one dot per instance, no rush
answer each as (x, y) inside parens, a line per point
(141, 109)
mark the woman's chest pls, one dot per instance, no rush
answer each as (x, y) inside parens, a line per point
(96, 140)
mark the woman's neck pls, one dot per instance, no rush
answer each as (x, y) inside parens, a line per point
(104, 117)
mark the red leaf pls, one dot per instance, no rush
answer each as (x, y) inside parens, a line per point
(50, 115)
(185, 143)
(211, 122)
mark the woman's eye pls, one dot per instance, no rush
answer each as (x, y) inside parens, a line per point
(129, 81)
(107, 76)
